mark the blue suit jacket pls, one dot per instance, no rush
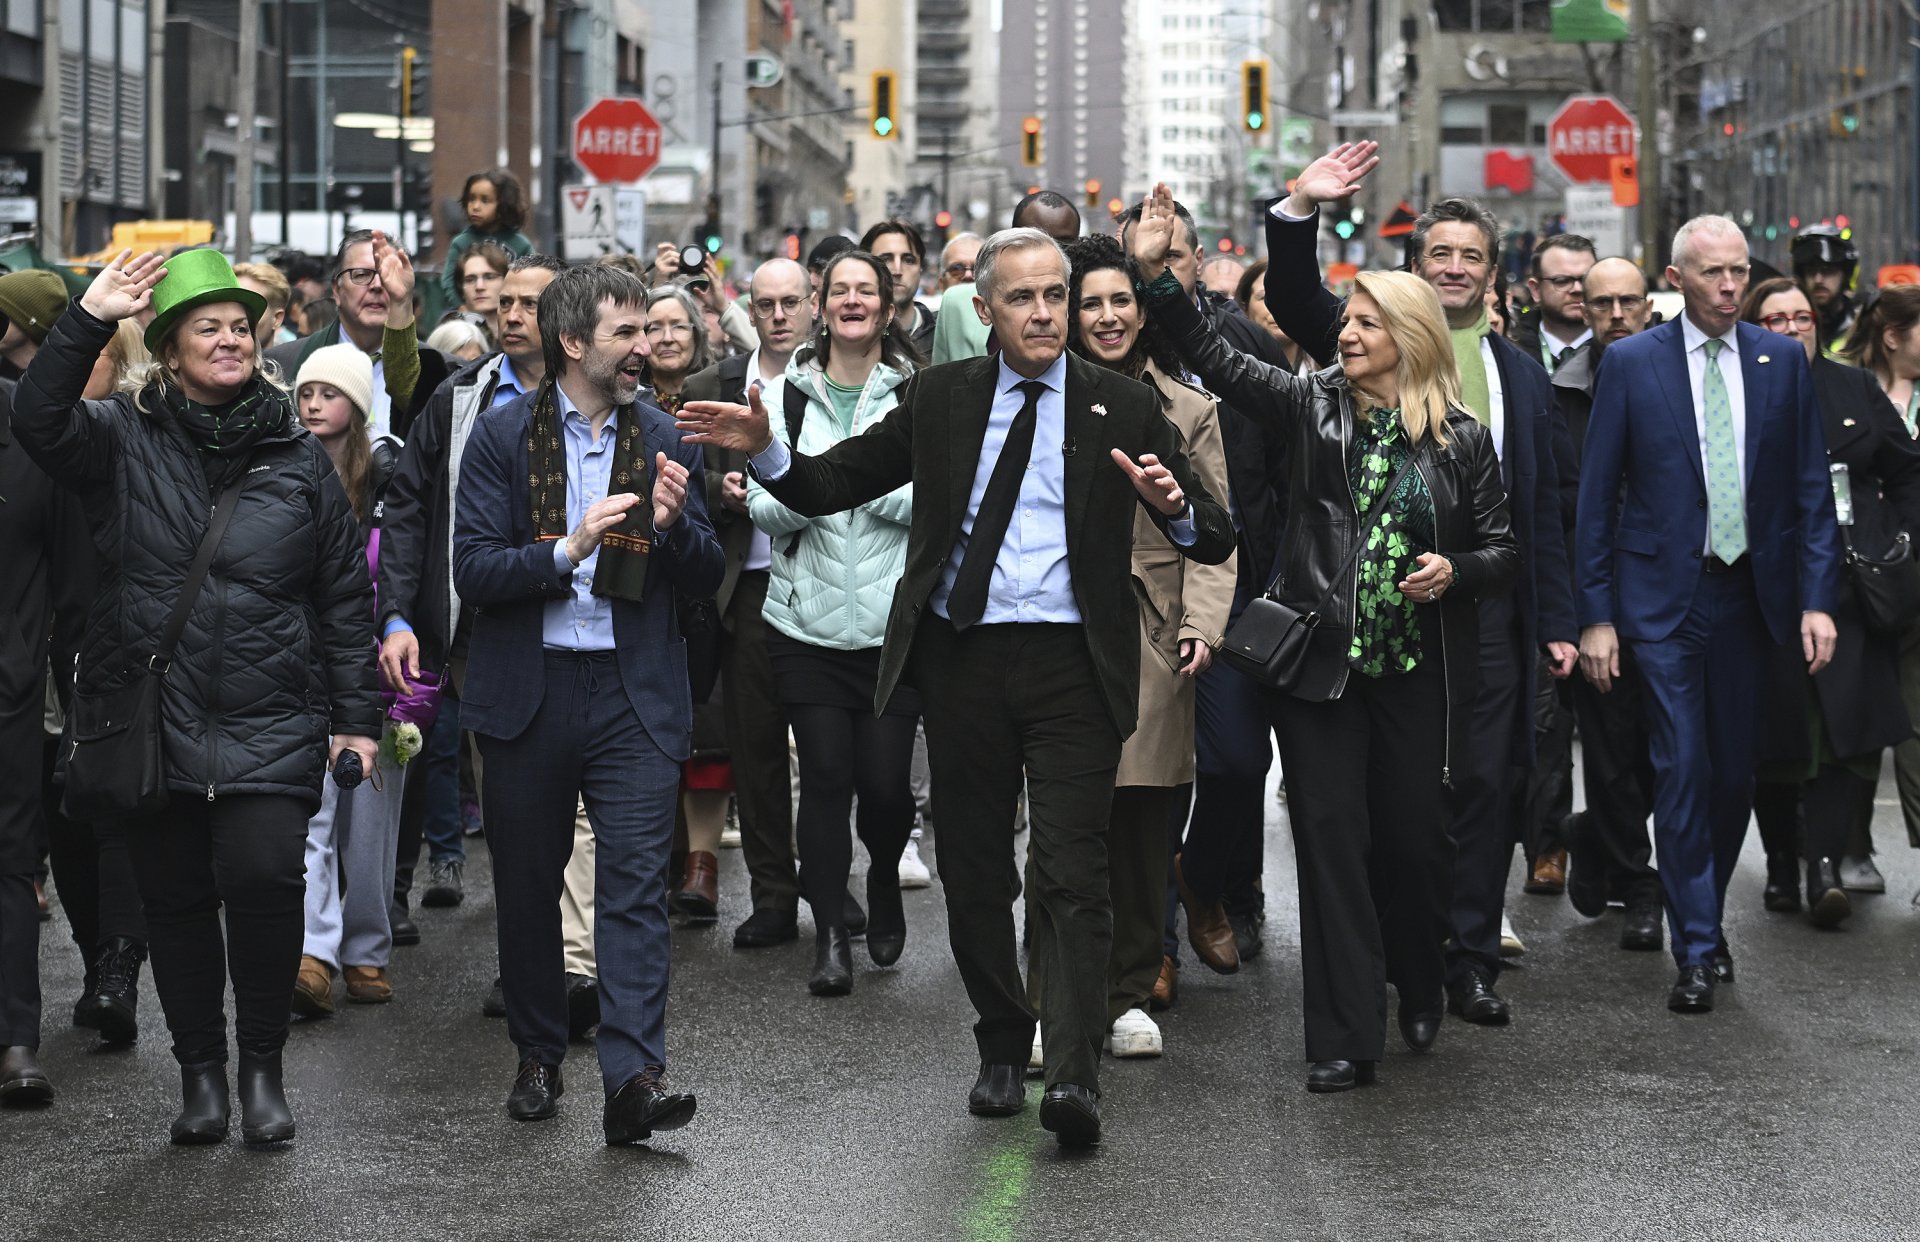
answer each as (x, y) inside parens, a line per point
(509, 578)
(1642, 520)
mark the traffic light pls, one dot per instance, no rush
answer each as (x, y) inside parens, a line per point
(943, 219)
(1093, 192)
(883, 105)
(407, 101)
(1346, 224)
(1030, 142)
(710, 235)
(1253, 95)
(792, 249)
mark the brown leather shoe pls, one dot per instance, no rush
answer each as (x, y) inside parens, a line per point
(699, 895)
(1208, 929)
(1549, 875)
(1166, 989)
(367, 985)
(313, 989)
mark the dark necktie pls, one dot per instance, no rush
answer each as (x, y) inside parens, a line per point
(968, 602)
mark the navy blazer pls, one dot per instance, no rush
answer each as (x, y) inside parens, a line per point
(1642, 522)
(509, 578)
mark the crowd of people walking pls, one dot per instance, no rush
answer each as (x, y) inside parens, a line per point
(1055, 531)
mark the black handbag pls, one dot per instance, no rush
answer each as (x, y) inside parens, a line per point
(115, 766)
(1280, 646)
(1888, 587)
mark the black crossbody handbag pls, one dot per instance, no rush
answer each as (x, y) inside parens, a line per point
(1280, 646)
(115, 765)
(1888, 587)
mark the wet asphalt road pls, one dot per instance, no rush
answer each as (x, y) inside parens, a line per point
(1791, 1112)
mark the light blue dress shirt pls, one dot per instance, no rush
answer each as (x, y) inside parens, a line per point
(583, 621)
(1031, 583)
(507, 386)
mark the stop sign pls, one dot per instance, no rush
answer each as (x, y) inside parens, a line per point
(617, 140)
(1586, 135)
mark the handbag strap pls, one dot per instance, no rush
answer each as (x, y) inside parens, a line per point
(1366, 531)
(162, 658)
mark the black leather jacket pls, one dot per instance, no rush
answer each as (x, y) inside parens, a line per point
(1314, 416)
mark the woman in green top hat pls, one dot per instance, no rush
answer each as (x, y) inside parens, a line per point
(273, 676)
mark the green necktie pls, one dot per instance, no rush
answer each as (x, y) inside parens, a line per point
(1726, 513)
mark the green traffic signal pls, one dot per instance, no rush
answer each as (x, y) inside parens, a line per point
(1256, 121)
(1344, 228)
(883, 125)
(713, 243)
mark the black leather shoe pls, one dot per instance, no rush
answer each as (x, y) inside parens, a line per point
(1420, 1027)
(1721, 964)
(23, 1083)
(583, 1005)
(536, 1093)
(1586, 870)
(1643, 930)
(110, 1006)
(1827, 902)
(1692, 991)
(765, 928)
(853, 916)
(1325, 1077)
(205, 1111)
(1246, 935)
(832, 962)
(400, 923)
(1782, 894)
(886, 923)
(494, 1005)
(1071, 1113)
(1473, 998)
(1000, 1091)
(642, 1105)
(264, 1116)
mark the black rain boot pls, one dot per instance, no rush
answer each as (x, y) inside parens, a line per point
(111, 1008)
(204, 1107)
(832, 962)
(264, 1115)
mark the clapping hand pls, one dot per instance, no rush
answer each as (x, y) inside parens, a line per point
(1333, 178)
(1153, 236)
(669, 491)
(743, 428)
(1154, 482)
(123, 288)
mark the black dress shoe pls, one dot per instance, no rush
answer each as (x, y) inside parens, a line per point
(23, 1084)
(1586, 870)
(1782, 894)
(1721, 964)
(405, 930)
(110, 1007)
(642, 1105)
(853, 916)
(1692, 991)
(1827, 902)
(1325, 1077)
(536, 1093)
(204, 1109)
(1071, 1113)
(1473, 998)
(1643, 930)
(886, 922)
(765, 928)
(583, 1005)
(832, 962)
(1246, 935)
(494, 1005)
(1420, 1027)
(1000, 1091)
(264, 1116)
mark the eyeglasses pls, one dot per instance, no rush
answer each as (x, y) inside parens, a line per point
(1626, 303)
(669, 329)
(764, 307)
(1799, 321)
(959, 269)
(1563, 282)
(361, 276)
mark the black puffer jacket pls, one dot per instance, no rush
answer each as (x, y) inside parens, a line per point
(278, 650)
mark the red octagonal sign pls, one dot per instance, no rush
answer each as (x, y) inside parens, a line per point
(617, 140)
(1586, 135)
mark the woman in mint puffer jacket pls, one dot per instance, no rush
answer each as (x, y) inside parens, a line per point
(827, 600)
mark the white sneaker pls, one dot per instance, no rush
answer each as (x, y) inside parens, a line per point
(1037, 1059)
(1134, 1034)
(913, 872)
(1510, 943)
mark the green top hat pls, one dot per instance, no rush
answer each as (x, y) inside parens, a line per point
(195, 278)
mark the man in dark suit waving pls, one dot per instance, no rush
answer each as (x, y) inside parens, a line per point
(1016, 619)
(1705, 531)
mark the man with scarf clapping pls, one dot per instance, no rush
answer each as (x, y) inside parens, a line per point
(574, 529)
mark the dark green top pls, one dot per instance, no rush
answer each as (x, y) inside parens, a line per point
(1386, 630)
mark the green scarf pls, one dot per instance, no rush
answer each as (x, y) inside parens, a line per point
(622, 572)
(1474, 392)
(226, 434)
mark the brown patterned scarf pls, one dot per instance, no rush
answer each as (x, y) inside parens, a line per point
(622, 568)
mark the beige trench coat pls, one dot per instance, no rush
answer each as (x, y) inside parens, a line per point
(1179, 599)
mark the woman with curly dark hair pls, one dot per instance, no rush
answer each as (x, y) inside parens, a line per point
(496, 210)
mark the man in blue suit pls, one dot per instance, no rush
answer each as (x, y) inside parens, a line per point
(1705, 531)
(574, 531)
